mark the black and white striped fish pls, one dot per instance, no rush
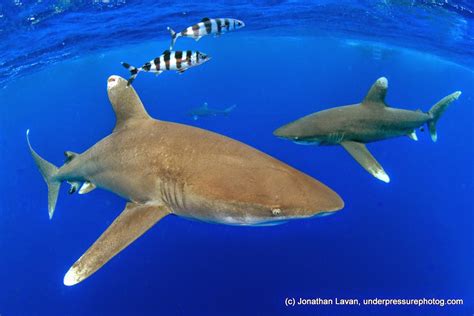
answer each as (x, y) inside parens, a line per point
(169, 60)
(205, 27)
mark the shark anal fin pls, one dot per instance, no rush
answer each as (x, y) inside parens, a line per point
(377, 93)
(360, 153)
(133, 222)
(87, 187)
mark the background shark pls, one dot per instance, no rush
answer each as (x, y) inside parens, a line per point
(352, 126)
(164, 168)
(205, 111)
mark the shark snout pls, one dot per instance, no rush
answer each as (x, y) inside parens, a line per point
(285, 132)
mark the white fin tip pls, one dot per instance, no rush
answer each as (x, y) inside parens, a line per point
(381, 175)
(112, 81)
(71, 278)
(382, 82)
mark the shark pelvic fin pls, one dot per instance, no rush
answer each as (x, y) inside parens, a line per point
(360, 153)
(87, 187)
(377, 93)
(134, 221)
(127, 105)
(413, 136)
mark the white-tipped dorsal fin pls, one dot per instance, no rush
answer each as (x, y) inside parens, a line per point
(376, 94)
(87, 187)
(127, 105)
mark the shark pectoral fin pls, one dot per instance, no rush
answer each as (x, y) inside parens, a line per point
(360, 153)
(377, 93)
(87, 187)
(135, 220)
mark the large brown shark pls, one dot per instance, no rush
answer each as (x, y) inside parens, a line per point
(352, 126)
(164, 168)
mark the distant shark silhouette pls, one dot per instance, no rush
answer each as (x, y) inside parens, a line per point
(206, 111)
(352, 126)
(164, 168)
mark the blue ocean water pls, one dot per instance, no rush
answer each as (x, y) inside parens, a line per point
(411, 238)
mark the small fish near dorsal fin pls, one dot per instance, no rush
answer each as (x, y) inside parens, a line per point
(377, 93)
(166, 52)
(127, 105)
(205, 19)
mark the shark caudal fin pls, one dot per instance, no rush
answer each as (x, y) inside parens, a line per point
(48, 171)
(437, 110)
(174, 37)
(133, 72)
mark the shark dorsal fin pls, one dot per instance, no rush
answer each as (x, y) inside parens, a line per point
(205, 105)
(376, 94)
(205, 20)
(127, 105)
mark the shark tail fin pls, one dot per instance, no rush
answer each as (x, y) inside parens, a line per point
(437, 110)
(48, 171)
(133, 72)
(174, 37)
(230, 109)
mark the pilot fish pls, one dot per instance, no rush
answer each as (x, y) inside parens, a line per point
(169, 60)
(205, 27)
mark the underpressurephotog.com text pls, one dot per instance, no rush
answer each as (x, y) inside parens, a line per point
(301, 301)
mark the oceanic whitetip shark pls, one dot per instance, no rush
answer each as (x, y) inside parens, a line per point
(352, 126)
(164, 168)
(205, 111)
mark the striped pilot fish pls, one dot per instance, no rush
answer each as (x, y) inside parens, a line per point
(169, 60)
(205, 27)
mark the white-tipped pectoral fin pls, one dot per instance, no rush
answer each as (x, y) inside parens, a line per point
(133, 222)
(360, 153)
